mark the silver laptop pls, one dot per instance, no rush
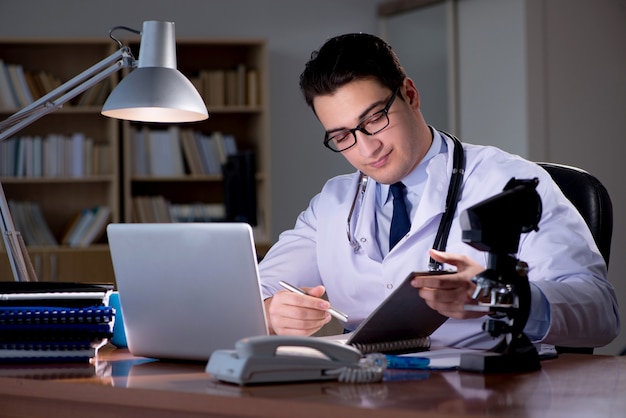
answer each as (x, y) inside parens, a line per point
(186, 289)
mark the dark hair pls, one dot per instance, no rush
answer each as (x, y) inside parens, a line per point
(347, 58)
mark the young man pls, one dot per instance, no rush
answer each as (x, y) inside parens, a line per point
(370, 111)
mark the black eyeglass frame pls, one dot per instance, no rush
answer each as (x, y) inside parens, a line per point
(361, 126)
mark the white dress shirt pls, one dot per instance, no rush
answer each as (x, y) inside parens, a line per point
(572, 301)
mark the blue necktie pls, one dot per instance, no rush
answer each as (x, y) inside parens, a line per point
(400, 223)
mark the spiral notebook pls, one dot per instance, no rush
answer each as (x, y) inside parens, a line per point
(53, 328)
(52, 321)
(58, 294)
(402, 323)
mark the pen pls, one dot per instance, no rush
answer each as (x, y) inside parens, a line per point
(334, 312)
(406, 362)
(388, 361)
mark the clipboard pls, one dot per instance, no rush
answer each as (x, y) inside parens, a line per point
(402, 323)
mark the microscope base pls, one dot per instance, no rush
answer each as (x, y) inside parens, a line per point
(500, 363)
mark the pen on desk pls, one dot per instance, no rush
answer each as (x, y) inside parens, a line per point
(334, 312)
(389, 361)
(406, 362)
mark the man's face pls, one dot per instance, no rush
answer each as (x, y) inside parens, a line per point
(391, 154)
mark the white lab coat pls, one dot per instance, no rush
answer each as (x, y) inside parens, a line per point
(565, 264)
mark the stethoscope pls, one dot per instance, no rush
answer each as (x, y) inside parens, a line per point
(441, 239)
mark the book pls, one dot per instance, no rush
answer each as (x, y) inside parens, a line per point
(230, 87)
(230, 144)
(29, 220)
(20, 86)
(218, 139)
(241, 84)
(191, 152)
(46, 294)
(20, 169)
(33, 85)
(72, 354)
(142, 209)
(76, 155)
(160, 209)
(78, 228)
(139, 151)
(86, 226)
(53, 321)
(48, 81)
(402, 323)
(102, 159)
(55, 333)
(65, 239)
(209, 153)
(7, 97)
(164, 152)
(35, 316)
(96, 226)
(213, 82)
(41, 228)
(151, 209)
(88, 157)
(176, 151)
(197, 212)
(252, 88)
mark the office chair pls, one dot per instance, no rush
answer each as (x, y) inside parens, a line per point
(591, 199)
(593, 202)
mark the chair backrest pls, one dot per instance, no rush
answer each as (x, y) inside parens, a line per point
(593, 202)
(591, 199)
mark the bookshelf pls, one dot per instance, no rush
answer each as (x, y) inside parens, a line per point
(65, 162)
(223, 71)
(231, 76)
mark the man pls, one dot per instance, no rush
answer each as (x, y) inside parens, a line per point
(370, 111)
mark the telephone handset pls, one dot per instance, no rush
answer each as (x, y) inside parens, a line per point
(265, 359)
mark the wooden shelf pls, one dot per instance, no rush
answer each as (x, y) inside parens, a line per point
(248, 123)
(61, 197)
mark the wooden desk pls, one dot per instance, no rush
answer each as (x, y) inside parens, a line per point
(119, 385)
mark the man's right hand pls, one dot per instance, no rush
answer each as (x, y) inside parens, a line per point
(289, 313)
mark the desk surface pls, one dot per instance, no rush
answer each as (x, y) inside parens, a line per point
(573, 385)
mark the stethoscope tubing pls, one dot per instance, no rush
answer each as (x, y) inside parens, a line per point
(452, 198)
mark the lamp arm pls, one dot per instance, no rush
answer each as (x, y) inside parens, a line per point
(122, 58)
(14, 243)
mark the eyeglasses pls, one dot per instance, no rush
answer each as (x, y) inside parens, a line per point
(371, 125)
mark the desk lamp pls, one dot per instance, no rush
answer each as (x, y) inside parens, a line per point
(155, 91)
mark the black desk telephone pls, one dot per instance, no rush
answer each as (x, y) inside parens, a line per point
(266, 359)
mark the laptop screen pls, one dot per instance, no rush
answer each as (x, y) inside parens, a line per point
(186, 289)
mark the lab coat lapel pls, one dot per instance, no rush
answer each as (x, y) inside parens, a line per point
(365, 230)
(432, 202)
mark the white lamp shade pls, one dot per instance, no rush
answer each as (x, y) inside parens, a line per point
(156, 91)
(155, 94)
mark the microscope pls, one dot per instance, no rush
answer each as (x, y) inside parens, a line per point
(502, 290)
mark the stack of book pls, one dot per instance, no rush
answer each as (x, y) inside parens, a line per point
(157, 209)
(53, 322)
(87, 226)
(30, 221)
(235, 86)
(84, 229)
(19, 88)
(54, 155)
(180, 151)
